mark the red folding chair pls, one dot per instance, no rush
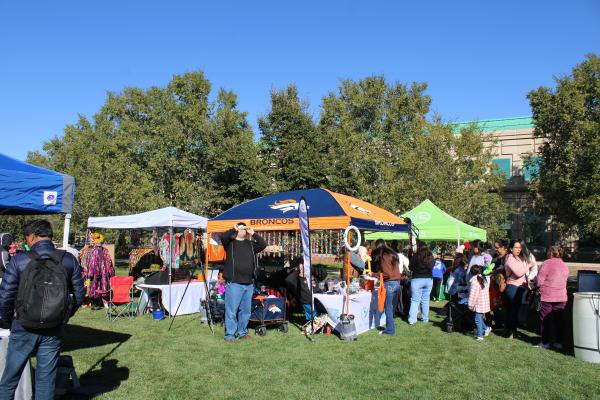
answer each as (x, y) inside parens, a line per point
(120, 300)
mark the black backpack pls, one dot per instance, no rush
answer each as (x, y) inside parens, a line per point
(43, 299)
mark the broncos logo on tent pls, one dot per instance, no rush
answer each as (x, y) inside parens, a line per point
(285, 205)
(358, 208)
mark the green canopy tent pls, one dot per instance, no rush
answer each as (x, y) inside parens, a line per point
(433, 224)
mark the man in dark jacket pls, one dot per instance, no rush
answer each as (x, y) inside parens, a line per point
(43, 343)
(241, 245)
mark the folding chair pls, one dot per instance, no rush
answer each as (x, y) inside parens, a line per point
(120, 300)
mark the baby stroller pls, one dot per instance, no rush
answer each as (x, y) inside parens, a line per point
(459, 319)
(268, 311)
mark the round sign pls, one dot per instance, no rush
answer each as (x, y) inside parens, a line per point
(347, 236)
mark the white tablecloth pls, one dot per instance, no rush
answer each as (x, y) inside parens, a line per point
(24, 390)
(190, 304)
(362, 305)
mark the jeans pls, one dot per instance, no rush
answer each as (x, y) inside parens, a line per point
(22, 345)
(238, 304)
(552, 316)
(514, 295)
(391, 288)
(421, 289)
(309, 313)
(480, 324)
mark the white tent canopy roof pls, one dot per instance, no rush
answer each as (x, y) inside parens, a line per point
(168, 217)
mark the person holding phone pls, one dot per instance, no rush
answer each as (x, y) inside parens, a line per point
(241, 245)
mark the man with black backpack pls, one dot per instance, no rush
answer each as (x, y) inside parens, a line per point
(41, 289)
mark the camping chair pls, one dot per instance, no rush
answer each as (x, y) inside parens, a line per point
(120, 300)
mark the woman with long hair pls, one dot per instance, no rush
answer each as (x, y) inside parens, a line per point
(421, 284)
(530, 276)
(385, 260)
(516, 268)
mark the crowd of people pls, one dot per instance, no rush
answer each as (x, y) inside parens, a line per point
(500, 285)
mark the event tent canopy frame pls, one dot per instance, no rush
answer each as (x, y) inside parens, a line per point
(327, 210)
(29, 189)
(168, 217)
(432, 223)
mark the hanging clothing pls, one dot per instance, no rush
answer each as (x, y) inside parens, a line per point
(99, 269)
(165, 250)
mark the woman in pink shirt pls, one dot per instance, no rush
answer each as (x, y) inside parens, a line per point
(552, 281)
(515, 268)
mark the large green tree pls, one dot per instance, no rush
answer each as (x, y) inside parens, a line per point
(157, 147)
(293, 151)
(384, 149)
(567, 117)
(365, 121)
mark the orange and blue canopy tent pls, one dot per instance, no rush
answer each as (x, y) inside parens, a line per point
(327, 210)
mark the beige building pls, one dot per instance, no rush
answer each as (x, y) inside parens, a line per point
(514, 140)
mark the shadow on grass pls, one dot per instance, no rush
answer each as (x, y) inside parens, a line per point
(108, 376)
(81, 337)
(100, 381)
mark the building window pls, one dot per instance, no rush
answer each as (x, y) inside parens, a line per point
(504, 166)
(531, 169)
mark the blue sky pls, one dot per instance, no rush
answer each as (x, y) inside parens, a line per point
(58, 59)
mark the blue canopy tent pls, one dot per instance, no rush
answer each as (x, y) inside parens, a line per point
(27, 189)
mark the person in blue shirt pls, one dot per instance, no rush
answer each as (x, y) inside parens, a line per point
(437, 273)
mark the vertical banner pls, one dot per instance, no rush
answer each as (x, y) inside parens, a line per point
(305, 234)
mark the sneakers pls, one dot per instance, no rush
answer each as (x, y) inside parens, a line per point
(232, 341)
(488, 331)
(557, 346)
(245, 337)
(542, 346)
(479, 339)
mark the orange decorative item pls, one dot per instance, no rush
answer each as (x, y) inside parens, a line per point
(381, 294)
(215, 253)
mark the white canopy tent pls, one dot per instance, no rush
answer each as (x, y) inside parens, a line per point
(168, 217)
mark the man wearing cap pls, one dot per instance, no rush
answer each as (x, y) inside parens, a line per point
(241, 245)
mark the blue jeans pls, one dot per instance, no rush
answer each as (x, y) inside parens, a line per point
(238, 304)
(514, 295)
(22, 345)
(480, 324)
(421, 289)
(308, 312)
(391, 287)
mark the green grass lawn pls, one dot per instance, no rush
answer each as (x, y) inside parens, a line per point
(140, 359)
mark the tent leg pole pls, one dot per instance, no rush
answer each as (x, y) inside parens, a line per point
(348, 272)
(171, 241)
(206, 255)
(66, 231)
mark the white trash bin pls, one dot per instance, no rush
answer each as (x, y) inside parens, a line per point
(586, 326)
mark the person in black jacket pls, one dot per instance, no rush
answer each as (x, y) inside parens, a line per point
(241, 245)
(43, 343)
(421, 284)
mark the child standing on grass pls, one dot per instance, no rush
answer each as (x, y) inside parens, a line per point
(479, 301)
(437, 273)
